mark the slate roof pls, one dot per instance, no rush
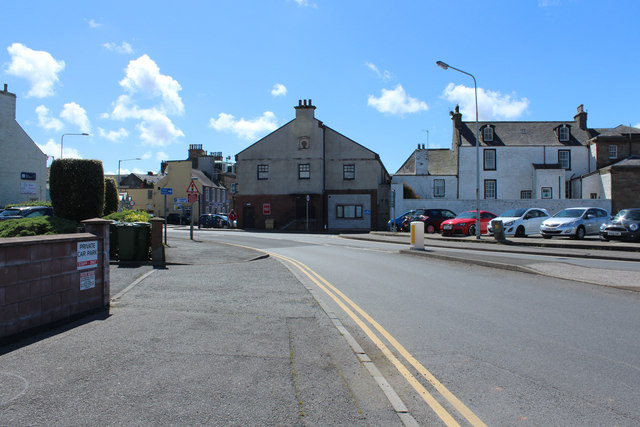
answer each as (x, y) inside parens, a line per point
(631, 162)
(617, 131)
(151, 179)
(204, 180)
(439, 162)
(523, 134)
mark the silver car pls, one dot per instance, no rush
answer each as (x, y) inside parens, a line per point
(575, 223)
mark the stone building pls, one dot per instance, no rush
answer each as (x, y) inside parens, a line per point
(23, 166)
(307, 176)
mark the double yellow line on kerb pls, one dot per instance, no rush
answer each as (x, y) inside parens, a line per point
(349, 307)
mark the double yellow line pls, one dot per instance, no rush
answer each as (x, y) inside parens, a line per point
(351, 308)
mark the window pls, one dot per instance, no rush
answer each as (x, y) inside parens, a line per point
(349, 211)
(525, 194)
(149, 194)
(489, 156)
(563, 133)
(593, 195)
(547, 193)
(263, 171)
(304, 171)
(438, 188)
(349, 171)
(564, 159)
(487, 134)
(613, 151)
(490, 188)
(234, 187)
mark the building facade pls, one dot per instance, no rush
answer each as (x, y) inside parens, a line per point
(23, 166)
(307, 176)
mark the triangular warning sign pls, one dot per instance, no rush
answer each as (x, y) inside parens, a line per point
(192, 188)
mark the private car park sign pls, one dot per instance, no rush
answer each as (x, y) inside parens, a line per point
(87, 257)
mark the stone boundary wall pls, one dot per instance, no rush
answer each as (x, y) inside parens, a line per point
(44, 279)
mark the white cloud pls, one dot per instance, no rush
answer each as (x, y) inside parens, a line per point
(279, 90)
(123, 48)
(52, 149)
(161, 155)
(637, 126)
(305, 3)
(94, 24)
(396, 102)
(45, 121)
(386, 75)
(76, 115)
(247, 129)
(113, 135)
(491, 105)
(143, 76)
(156, 129)
(37, 66)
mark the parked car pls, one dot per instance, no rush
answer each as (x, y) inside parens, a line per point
(399, 220)
(432, 218)
(624, 226)
(575, 223)
(177, 219)
(520, 222)
(19, 212)
(212, 221)
(465, 223)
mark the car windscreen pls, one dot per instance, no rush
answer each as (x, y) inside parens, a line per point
(570, 213)
(513, 213)
(10, 212)
(629, 215)
(467, 215)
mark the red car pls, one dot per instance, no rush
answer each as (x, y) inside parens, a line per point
(465, 223)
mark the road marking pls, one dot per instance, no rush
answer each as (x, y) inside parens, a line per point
(336, 295)
(333, 293)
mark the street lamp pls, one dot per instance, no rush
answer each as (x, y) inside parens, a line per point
(445, 66)
(62, 139)
(120, 161)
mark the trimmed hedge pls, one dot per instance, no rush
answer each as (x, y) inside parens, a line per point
(111, 199)
(36, 226)
(76, 187)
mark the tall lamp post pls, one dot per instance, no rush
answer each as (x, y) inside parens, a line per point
(445, 66)
(65, 134)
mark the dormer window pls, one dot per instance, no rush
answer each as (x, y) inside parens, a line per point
(563, 133)
(487, 134)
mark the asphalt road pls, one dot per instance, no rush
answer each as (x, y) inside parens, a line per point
(512, 348)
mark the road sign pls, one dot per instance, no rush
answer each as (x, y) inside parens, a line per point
(266, 209)
(192, 188)
(192, 197)
(166, 191)
(132, 203)
(179, 200)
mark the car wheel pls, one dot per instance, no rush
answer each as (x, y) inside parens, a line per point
(431, 229)
(580, 233)
(520, 232)
(472, 230)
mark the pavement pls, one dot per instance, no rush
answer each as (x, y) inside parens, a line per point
(226, 336)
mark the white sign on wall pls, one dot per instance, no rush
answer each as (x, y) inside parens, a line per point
(87, 254)
(87, 280)
(27, 188)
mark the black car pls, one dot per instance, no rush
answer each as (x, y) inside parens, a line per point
(624, 226)
(432, 218)
(212, 221)
(20, 212)
(177, 219)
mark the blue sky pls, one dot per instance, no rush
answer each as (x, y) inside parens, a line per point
(147, 78)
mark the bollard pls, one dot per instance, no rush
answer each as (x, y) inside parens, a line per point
(417, 235)
(498, 230)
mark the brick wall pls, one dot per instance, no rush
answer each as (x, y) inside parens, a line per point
(40, 282)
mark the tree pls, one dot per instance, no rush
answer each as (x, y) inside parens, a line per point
(111, 199)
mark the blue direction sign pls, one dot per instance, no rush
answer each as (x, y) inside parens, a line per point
(167, 191)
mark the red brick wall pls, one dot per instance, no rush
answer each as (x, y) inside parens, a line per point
(40, 281)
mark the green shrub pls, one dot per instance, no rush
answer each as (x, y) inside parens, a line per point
(111, 199)
(77, 188)
(32, 203)
(129, 216)
(37, 226)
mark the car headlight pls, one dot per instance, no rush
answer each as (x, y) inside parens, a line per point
(508, 224)
(603, 226)
(633, 227)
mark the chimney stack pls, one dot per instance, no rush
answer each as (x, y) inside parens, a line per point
(581, 118)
